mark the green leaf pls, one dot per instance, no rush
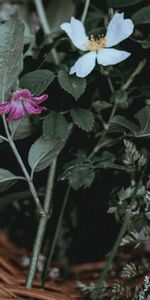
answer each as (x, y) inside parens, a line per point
(11, 55)
(83, 118)
(143, 117)
(37, 81)
(55, 126)
(120, 123)
(120, 97)
(7, 179)
(122, 3)
(21, 129)
(100, 105)
(142, 16)
(72, 84)
(79, 175)
(44, 151)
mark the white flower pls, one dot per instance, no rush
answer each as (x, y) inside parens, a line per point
(118, 30)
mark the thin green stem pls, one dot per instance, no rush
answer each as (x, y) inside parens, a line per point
(137, 71)
(45, 26)
(42, 225)
(24, 170)
(85, 11)
(124, 87)
(55, 239)
(104, 273)
(110, 84)
(3, 138)
(99, 284)
(99, 144)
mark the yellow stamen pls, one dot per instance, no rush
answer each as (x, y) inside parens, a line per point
(96, 44)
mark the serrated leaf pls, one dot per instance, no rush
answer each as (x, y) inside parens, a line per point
(21, 129)
(7, 179)
(142, 16)
(72, 84)
(79, 175)
(55, 126)
(37, 81)
(11, 55)
(122, 3)
(83, 118)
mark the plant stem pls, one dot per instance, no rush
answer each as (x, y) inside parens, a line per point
(85, 11)
(124, 87)
(24, 170)
(137, 71)
(99, 144)
(122, 231)
(104, 273)
(45, 26)
(42, 225)
(55, 239)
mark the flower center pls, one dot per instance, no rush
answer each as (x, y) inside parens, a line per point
(21, 99)
(94, 44)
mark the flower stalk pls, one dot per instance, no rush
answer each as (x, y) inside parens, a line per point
(24, 170)
(56, 235)
(85, 11)
(42, 225)
(46, 28)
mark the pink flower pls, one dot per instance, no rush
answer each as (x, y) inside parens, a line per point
(22, 102)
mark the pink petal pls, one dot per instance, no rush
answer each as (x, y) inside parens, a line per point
(17, 111)
(33, 108)
(40, 99)
(5, 108)
(21, 93)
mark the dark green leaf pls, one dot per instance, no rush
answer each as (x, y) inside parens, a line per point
(121, 97)
(72, 84)
(79, 175)
(11, 55)
(43, 152)
(21, 129)
(143, 117)
(55, 126)
(37, 81)
(7, 179)
(142, 16)
(122, 3)
(100, 105)
(120, 123)
(83, 118)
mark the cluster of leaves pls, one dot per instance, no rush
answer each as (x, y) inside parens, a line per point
(98, 126)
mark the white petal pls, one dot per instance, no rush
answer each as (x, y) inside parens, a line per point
(118, 30)
(84, 65)
(76, 32)
(111, 56)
